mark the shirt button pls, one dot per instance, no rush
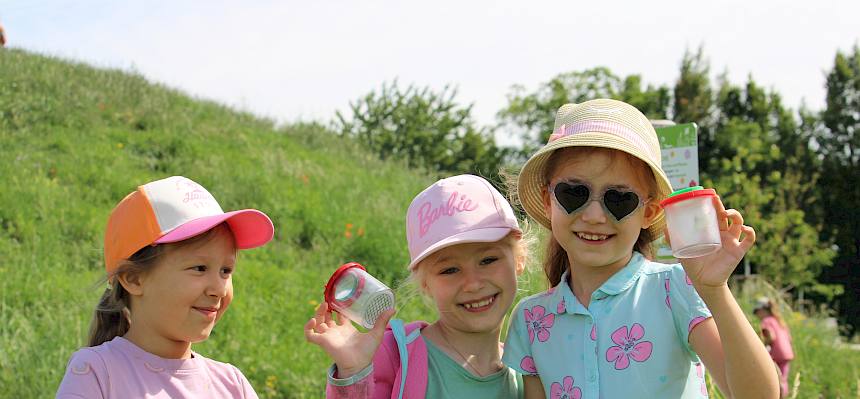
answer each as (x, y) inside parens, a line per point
(591, 378)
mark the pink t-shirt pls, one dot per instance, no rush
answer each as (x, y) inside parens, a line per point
(120, 369)
(780, 346)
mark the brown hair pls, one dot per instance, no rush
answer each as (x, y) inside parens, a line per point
(556, 261)
(112, 314)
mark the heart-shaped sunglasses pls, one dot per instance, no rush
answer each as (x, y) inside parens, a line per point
(574, 196)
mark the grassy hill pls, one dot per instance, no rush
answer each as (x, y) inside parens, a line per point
(75, 139)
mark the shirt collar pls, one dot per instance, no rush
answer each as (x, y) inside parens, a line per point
(619, 282)
(623, 279)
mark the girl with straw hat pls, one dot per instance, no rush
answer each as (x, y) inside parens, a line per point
(615, 324)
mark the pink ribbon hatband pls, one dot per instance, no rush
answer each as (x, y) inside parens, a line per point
(603, 127)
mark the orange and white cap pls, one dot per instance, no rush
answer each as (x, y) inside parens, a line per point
(172, 210)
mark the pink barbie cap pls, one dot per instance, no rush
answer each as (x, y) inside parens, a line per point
(172, 210)
(456, 210)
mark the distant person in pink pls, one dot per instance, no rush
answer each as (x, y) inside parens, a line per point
(170, 252)
(777, 337)
(2, 36)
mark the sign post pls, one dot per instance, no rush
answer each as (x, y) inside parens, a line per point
(680, 158)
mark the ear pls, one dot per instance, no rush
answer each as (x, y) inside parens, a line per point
(652, 211)
(419, 278)
(521, 264)
(132, 282)
(547, 202)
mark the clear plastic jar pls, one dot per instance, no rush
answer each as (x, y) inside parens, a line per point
(353, 292)
(692, 222)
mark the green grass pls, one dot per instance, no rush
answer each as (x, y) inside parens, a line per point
(75, 139)
(824, 367)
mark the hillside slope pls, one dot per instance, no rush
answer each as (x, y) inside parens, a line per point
(74, 140)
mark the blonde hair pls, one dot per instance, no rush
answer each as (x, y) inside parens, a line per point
(112, 316)
(556, 261)
(773, 309)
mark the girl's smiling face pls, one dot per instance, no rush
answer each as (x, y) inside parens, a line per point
(473, 285)
(590, 236)
(181, 298)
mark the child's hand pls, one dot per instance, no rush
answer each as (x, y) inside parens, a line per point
(350, 349)
(713, 270)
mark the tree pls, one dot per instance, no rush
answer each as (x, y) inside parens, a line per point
(839, 141)
(427, 129)
(532, 115)
(767, 169)
(694, 102)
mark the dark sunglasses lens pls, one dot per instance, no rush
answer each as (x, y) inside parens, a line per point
(571, 197)
(620, 203)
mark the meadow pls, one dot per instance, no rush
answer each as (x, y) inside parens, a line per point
(75, 139)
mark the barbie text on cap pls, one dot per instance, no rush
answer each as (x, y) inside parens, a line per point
(692, 222)
(454, 211)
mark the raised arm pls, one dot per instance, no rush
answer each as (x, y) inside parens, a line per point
(728, 345)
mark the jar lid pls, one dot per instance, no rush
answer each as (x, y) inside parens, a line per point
(687, 193)
(332, 281)
(686, 190)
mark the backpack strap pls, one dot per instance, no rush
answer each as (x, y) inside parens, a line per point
(400, 337)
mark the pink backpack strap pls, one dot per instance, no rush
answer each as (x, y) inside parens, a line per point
(411, 380)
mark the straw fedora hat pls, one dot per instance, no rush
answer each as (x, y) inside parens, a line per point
(595, 123)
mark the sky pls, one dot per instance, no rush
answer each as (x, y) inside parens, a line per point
(302, 61)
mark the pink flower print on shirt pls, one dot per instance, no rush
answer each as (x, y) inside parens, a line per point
(547, 292)
(528, 364)
(687, 277)
(560, 308)
(538, 323)
(696, 320)
(565, 390)
(594, 332)
(627, 346)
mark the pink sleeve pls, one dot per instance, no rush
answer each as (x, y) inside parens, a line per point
(377, 384)
(359, 389)
(86, 377)
(247, 389)
(767, 324)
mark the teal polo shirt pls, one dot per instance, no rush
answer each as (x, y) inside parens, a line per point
(630, 342)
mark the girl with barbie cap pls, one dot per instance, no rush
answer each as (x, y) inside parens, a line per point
(614, 324)
(170, 252)
(466, 250)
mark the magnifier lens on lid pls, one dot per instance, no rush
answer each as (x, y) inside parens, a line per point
(347, 288)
